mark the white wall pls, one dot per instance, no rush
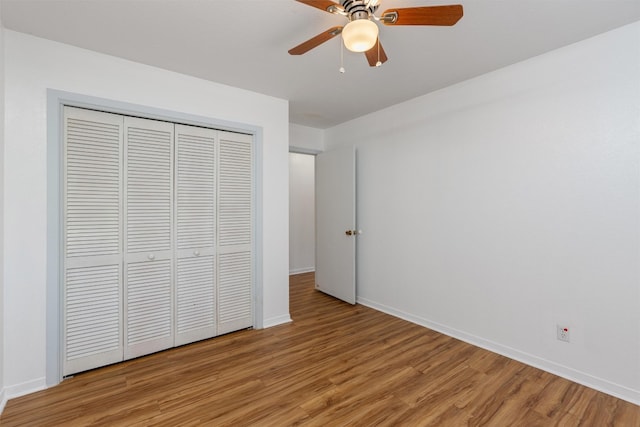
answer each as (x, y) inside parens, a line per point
(305, 139)
(2, 391)
(302, 242)
(497, 208)
(32, 66)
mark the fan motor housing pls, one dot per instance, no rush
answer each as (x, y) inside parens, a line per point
(357, 9)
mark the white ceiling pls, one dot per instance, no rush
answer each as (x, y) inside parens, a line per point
(244, 43)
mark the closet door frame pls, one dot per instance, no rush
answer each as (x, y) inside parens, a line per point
(56, 101)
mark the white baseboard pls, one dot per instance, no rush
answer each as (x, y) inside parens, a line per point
(18, 390)
(275, 321)
(571, 374)
(3, 400)
(301, 270)
(27, 387)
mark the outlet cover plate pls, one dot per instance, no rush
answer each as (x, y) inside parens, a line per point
(562, 333)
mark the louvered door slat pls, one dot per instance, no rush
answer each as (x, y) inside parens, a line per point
(196, 223)
(235, 190)
(234, 291)
(235, 232)
(149, 187)
(92, 317)
(148, 280)
(196, 299)
(92, 298)
(195, 185)
(148, 304)
(92, 184)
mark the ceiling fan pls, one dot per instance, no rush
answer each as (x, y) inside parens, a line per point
(360, 34)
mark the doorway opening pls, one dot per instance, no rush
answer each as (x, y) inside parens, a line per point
(323, 198)
(302, 242)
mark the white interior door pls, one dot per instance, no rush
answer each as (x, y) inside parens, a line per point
(235, 232)
(196, 229)
(336, 223)
(148, 236)
(92, 329)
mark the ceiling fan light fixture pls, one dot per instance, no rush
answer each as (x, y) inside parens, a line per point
(360, 35)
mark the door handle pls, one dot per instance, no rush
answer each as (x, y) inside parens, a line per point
(353, 232)
(349, 233)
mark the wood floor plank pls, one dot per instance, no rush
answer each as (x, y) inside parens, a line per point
(334, 365)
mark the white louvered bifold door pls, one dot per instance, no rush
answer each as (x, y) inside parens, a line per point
(235, 232)
(157, 236)
(195, 219)
(148, 236)
(92, 295)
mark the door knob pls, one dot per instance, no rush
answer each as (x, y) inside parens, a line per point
(348, 233)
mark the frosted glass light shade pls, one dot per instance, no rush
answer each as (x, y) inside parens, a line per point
(360, 35)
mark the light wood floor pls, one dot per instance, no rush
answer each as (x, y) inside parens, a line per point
(335, 365)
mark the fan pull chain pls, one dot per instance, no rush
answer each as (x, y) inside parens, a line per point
(342, 70)
(378, 63)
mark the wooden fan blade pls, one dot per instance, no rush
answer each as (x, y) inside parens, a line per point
(373, 56)
(426, 15)
(321, 4)
(315, 41)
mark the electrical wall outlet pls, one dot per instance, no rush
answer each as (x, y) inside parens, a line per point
(563, 333)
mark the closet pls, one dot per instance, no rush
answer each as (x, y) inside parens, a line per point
(158, 235)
